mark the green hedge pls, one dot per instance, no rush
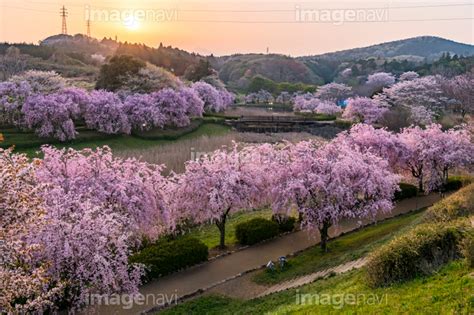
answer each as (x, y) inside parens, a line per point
(285, 224)
(452, 185)
(406, 191)
(456, 183)
(167, 256)
(417, 253)
(256, 230)
(458, 205)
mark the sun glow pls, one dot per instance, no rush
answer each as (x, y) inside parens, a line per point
(132, 24)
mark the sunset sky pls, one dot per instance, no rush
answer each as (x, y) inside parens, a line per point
(225, 27)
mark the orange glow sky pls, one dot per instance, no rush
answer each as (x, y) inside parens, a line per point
(224, 27)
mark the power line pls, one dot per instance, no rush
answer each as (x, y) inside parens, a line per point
(64, 14)
(318, 22)
(329, 9)
(268, 10)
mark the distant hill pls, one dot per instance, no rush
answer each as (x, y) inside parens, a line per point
(397, 56)
(429, 47)
(80, 43)
(79, 55)
(172, 59)
(238, 70)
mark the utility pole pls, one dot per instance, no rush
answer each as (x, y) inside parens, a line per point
(63, 14)
(88, 28)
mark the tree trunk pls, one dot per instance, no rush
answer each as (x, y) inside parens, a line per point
(323, 231)
(420, 184)
(300, 216)
(221, 226)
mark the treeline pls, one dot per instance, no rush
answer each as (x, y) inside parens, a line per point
(172, 59)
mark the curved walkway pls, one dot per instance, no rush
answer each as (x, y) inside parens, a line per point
(300, 281)
(210, 274)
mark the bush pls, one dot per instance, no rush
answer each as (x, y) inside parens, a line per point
(406, 191)
(452, 185)
(112, 75)
(465, 180)
(459, 204)
(285, 224)
(255, 230)
(167, 256)
(417, 253)
(467, 249)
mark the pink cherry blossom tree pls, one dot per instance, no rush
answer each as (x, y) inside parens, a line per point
(12, 97)
(228, 98)
(98, 208)
(461, 90)
(142, 112)
(334, 92)
(105, 113)
(327, 108)
(379, 80)
(195, 105)
(172, 105)
(336, 182)
(425, 91)
(284, 98)
(409, 76)
(41, 81)
(77, 96)
(415, 159)
(309, 103)
(26, 286)
(51, 115)
(215, 186)
(260, 97)
(305, 102)
(422, 116)
(380, 142)
(364, 109)
(210, 95)
(447, 150)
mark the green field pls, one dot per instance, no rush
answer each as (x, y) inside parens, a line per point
(342, 249)
(449, 291)
(29, 143)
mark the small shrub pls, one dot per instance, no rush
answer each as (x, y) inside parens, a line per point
(416, 253)
(285, 224)
(406, 191)
(467, 249)
(459, 204)
(452, 185)
(466, 180)
(255, 230)
(166, 256)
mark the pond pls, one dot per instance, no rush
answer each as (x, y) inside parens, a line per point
(258, 110)
(175, 154)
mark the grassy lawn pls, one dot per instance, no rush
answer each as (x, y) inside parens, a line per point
(209, 234)
(449, 291)
(28, 142)
(342, 249)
